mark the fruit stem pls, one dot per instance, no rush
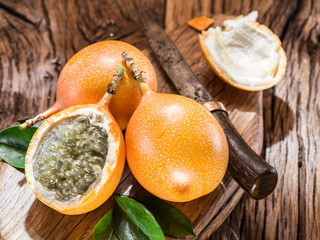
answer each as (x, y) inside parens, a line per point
(111, 90)
(30, 122)
(137, 75)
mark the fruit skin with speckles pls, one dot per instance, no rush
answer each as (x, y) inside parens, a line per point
(175, 148)
(85, 77)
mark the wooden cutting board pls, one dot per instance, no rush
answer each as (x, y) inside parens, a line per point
(24, 217)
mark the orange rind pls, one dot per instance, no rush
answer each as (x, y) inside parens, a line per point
(104, 185)
(200, 23)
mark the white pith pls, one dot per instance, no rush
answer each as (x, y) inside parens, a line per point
(96, 118)
(245, 53)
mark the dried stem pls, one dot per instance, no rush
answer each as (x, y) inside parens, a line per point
(137, 75)
(111, 90)
(30, 122)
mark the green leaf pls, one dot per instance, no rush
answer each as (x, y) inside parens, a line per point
(103, 229)
(14, 144)
(131, 220)
(173, 222)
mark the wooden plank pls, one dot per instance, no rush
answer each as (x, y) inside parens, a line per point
(295, 113)
(36, 40)
(291, 120)
(32, 219)
(291, 111)
(207, 213)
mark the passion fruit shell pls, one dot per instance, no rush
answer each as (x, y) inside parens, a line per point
(76, 158)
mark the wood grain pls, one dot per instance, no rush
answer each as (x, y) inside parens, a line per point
(32, 219)
(207, 213)
(291, 122)
(36, 40)
(38, 37)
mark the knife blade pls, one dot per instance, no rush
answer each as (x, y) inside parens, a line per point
(257, 177)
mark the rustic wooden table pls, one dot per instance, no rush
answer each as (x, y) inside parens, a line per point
(291, 110)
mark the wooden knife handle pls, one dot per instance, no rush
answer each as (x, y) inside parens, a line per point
(257, 177)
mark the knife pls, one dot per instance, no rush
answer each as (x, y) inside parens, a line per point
(257, 177)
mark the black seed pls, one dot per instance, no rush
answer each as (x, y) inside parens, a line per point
(83, 119)
(59, 164)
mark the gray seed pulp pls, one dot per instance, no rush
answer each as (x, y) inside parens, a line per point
(71, 157)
